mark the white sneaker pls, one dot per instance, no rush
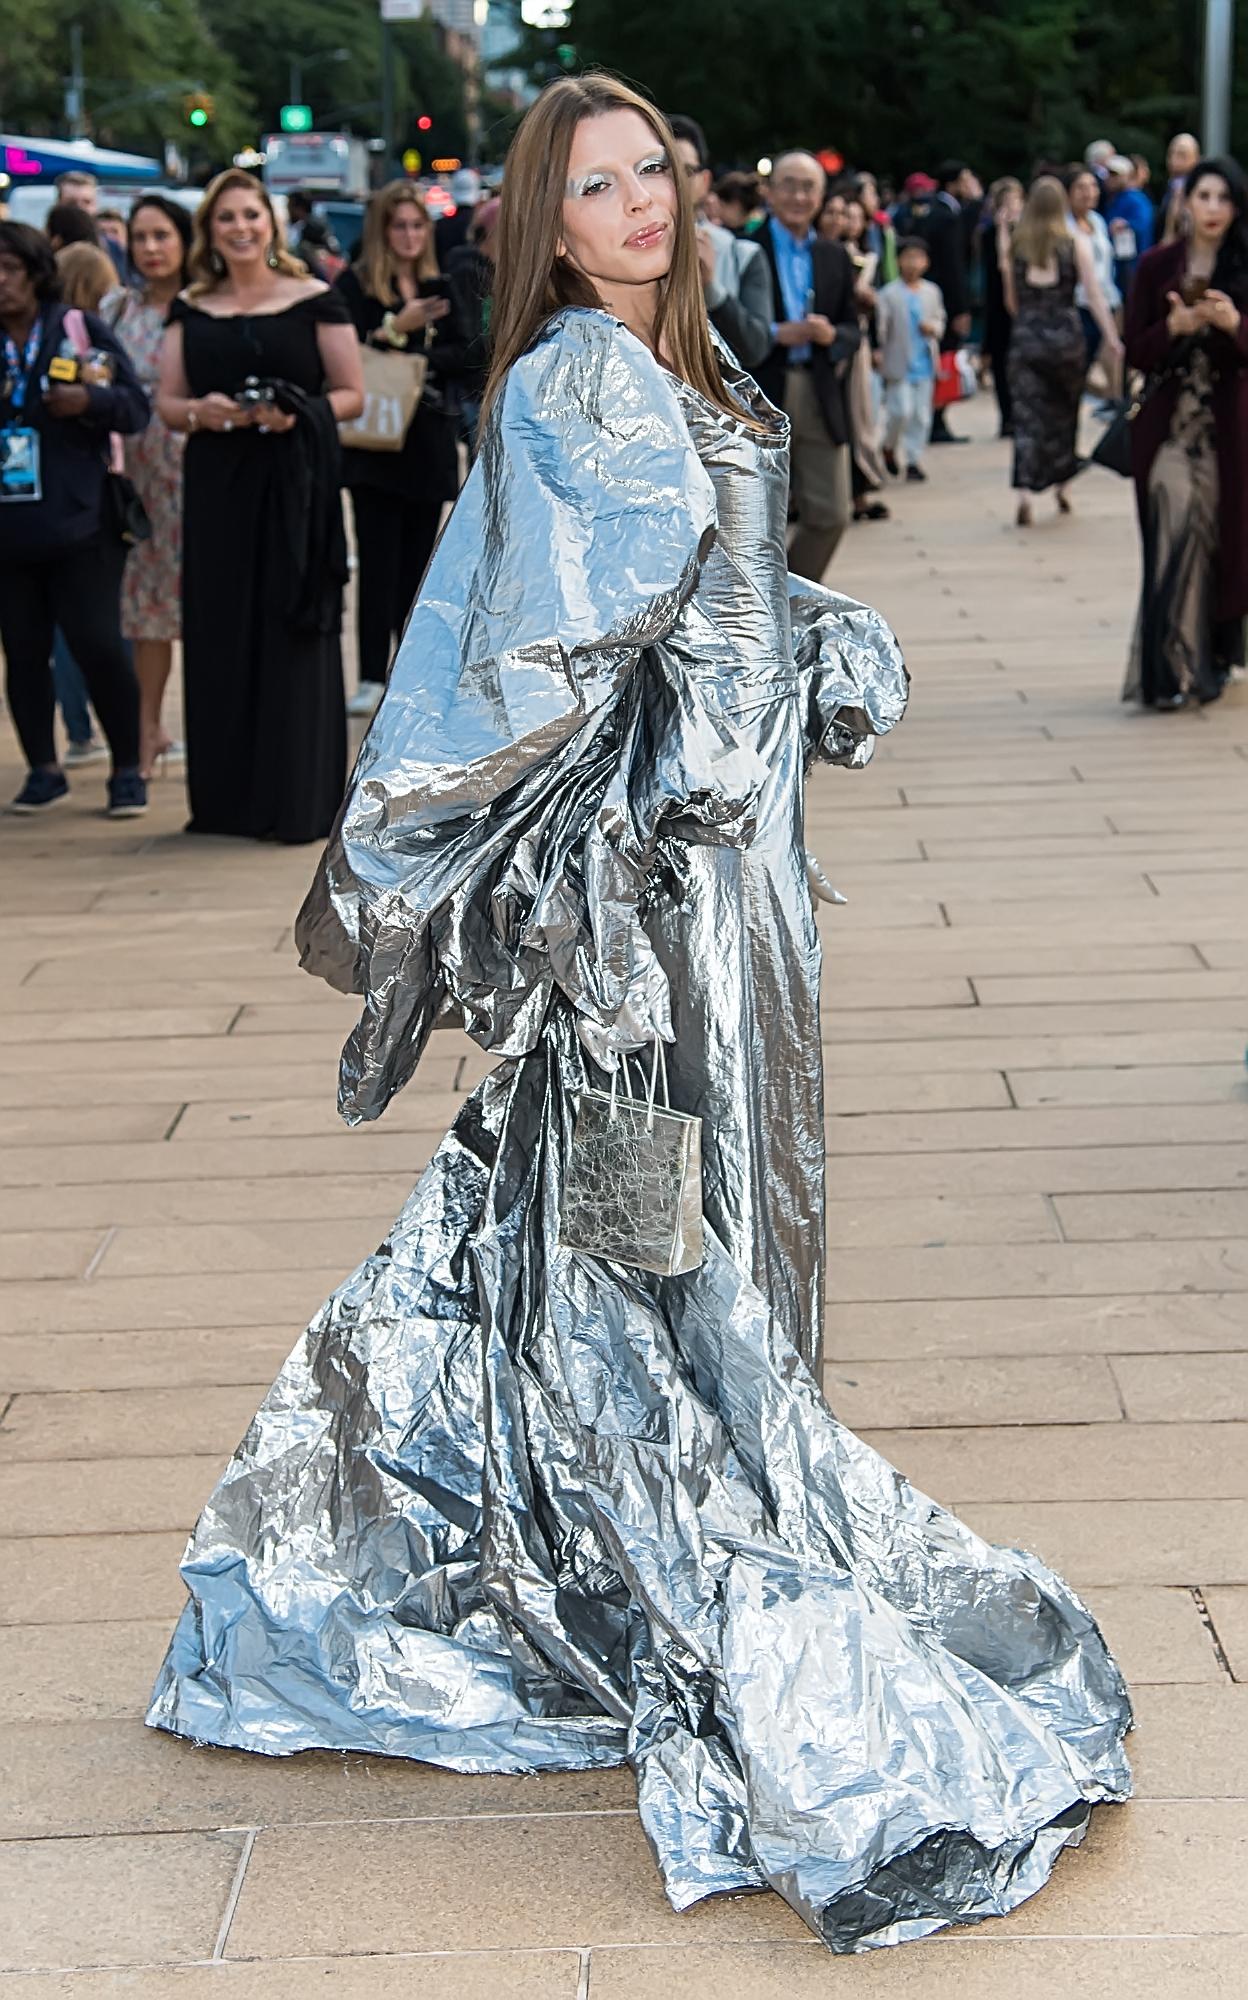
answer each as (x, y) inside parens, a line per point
(365, 699)
(89, 752)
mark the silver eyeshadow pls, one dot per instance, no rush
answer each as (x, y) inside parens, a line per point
(597, 182)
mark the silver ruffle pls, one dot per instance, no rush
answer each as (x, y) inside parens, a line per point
(507, 1508)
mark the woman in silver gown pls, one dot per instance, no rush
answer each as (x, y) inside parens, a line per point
(509, 1508)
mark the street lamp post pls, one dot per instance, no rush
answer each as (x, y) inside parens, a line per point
(1219, 68)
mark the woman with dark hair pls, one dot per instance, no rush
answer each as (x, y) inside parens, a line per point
(1187, 329)
(1005, 207)
(158, 241)
(549, 1483)
(867, 472)
(259, 366)
(67, 385)
(399, 303)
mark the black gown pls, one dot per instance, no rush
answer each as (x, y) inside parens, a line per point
(266, 734)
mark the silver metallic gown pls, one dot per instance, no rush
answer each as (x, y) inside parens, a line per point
(508, 1508)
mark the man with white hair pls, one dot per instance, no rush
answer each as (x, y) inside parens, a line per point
(814, 338)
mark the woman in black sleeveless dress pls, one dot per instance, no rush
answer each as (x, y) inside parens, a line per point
(260, 365)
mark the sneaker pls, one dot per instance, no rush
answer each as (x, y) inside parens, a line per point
(42, 789)
(916, 474)
(88, 752)
(127, 795)
(365, 699)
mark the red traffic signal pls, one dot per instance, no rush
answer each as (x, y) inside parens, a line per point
(424, 124)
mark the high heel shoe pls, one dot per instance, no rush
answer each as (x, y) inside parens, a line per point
(1023, 517)
(1063, 505)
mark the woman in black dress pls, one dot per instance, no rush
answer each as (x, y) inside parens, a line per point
(397, 302)
(1048, 351)
(1005, 206)
(259, 366)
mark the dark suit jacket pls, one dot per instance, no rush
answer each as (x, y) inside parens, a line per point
(944, 231)
(834, 298)
(1150, 347)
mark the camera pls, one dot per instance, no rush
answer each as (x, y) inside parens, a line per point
(256, 395)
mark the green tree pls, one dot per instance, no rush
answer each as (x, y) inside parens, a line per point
(899, 83)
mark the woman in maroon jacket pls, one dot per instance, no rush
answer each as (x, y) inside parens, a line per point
(1187, 327)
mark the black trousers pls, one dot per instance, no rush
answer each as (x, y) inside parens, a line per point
(394, 541)
(79, 589)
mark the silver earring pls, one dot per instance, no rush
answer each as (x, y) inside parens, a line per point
(273, 260)
(217, 262)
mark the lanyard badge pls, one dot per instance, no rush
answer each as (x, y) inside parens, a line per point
(20, 469)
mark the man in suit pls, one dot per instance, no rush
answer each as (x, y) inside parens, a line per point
(946, 226)
(805, 373)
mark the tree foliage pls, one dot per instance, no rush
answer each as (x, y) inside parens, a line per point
(901, 83)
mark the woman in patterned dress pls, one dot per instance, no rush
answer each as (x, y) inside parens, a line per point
(151, 597)
(1048, 353)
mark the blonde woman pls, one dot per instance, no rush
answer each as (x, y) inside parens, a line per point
(259, 365)
(515, 1506)
(86, 275)
(398, 302)
(1043, 266)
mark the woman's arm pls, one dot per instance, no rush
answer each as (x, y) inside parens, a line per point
(1085, 263)
(175, 405)
(344, 375)
(1005, 264)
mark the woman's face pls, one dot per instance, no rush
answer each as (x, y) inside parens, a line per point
(407, 233)
(1010, 206)
(620, 202)
(1211, 208)
(240, 230)
(155, 245)
(17, 288)
(870, 194)
(1084, 192)
(855, 221)
(832, 218)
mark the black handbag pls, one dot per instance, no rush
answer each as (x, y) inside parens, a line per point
(122, 513)
(1113, 449)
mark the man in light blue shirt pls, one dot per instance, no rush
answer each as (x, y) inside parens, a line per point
(805, 372)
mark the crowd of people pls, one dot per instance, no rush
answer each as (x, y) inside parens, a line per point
(866, 313)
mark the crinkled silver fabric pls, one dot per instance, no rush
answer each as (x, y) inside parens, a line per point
(509, 1508)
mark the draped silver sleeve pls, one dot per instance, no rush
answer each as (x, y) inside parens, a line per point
(855, 678)
(495, 836)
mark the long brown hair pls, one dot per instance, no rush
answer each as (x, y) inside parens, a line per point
(533, 281)
(377, 267)
(1043, 230)
(204, 278)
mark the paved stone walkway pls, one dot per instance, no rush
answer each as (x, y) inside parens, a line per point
(1035, 1018)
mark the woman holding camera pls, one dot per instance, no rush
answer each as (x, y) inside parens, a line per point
(398, 303)
(259, 366)
(1186, 327)
(61, 548)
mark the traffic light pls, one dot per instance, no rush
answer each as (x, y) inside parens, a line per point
(567, 55)
(295, 118)
(424, 123)
(199, 109)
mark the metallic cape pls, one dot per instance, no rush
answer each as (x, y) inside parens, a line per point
(508, 1508)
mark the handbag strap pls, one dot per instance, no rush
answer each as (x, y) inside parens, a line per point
(658, 1067)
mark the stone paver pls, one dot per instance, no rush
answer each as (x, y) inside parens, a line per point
(1034, 1020)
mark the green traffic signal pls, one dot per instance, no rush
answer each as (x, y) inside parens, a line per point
(199, 116)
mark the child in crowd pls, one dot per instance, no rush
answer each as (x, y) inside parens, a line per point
(910, 319)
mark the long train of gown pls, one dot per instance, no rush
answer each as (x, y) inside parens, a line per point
(510, 1508)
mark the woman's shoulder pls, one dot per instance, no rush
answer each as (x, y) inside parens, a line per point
(1160, 261)
(580, 347)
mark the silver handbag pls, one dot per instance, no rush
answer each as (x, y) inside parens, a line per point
(633, 1190)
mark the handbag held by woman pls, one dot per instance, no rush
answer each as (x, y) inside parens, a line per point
(633, 1192)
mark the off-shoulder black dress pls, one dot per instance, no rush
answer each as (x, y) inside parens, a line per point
(263, 571)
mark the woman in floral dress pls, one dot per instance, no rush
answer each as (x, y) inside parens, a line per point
(151, 598)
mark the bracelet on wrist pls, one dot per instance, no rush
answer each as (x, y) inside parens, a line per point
(192, 418)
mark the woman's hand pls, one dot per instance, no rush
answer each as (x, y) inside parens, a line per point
(1182, 320)
(267, 417)
(66, 399)
(1218, 310)
(420, 313)
(215, 412)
